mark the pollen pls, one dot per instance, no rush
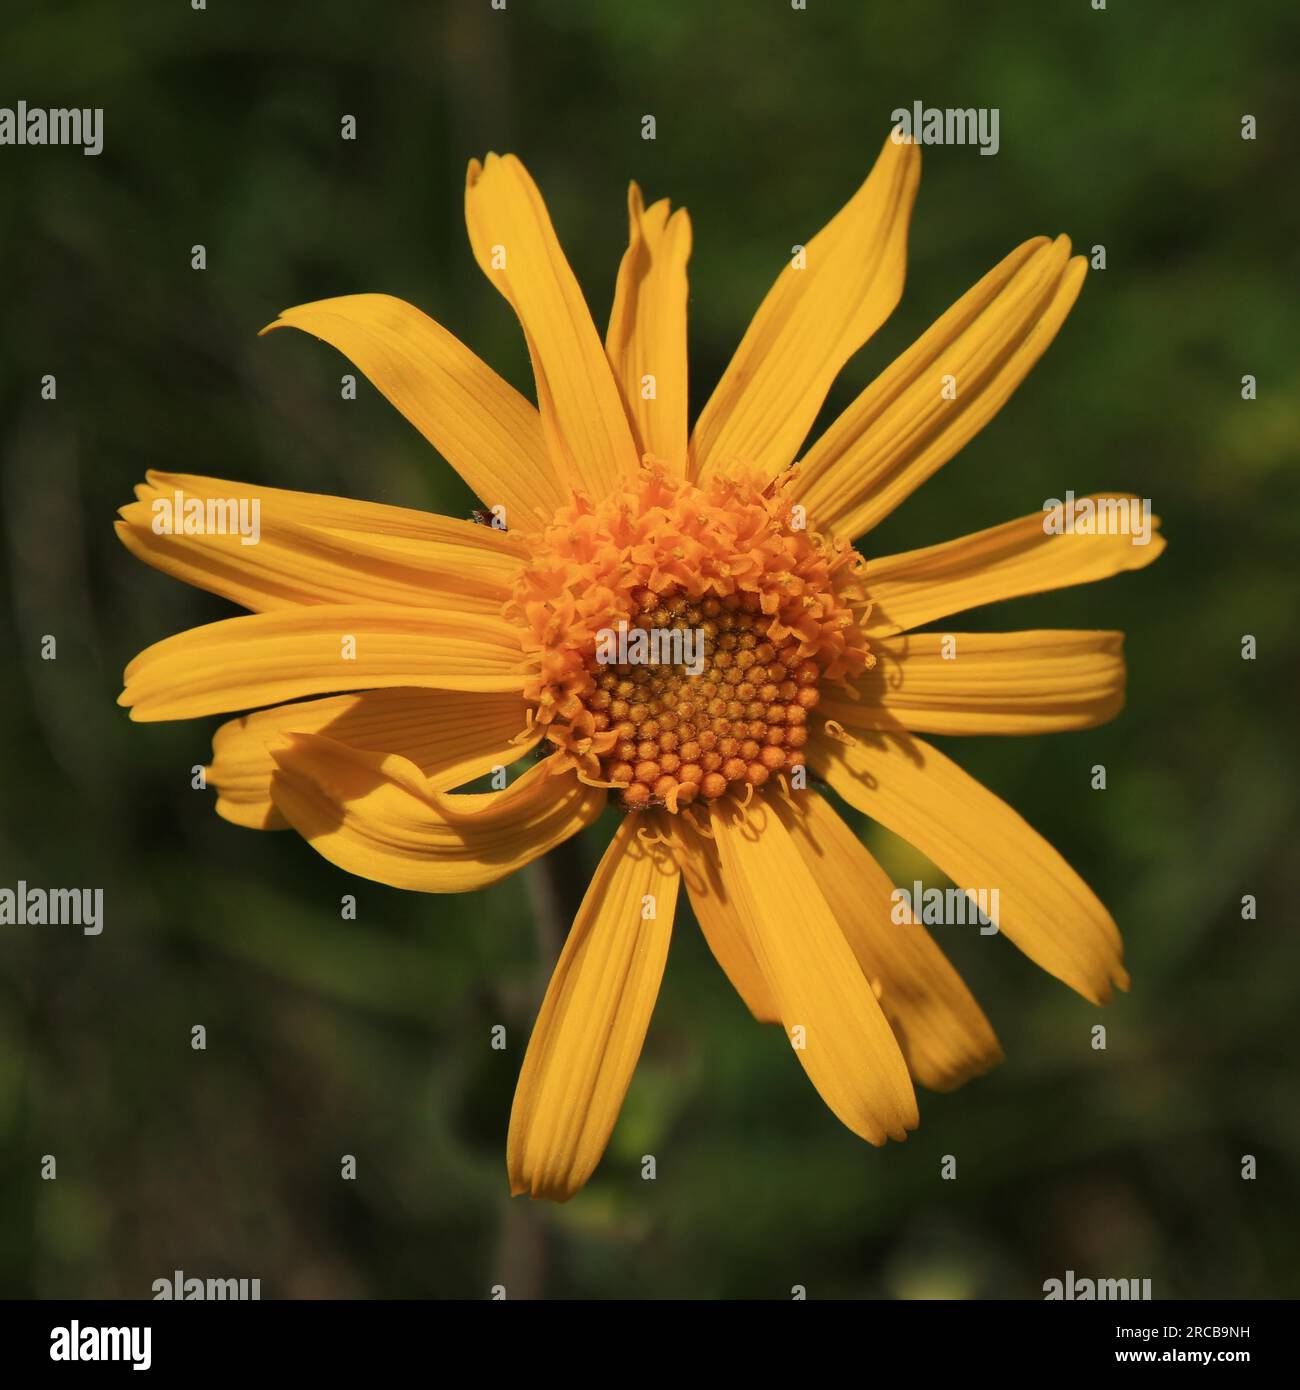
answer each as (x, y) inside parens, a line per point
(678, 637)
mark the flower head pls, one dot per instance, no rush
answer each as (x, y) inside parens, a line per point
(678, 620)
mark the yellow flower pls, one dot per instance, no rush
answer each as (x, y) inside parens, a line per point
(441, 649)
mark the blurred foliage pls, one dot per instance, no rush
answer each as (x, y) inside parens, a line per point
(328, 1037)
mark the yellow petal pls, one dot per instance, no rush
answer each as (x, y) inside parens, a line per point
(375, 521)
(375, 815)
(295, 559)
(481, 425)
(809, 325)
(589, 1033)
(942, 1030)
(320, 546)
(1007, 561)
(450, 735)
(266, 658)
(646, 339)
(975, 838)
(988, 683)
(722, 922)
(848, 1049)
(906, 424)
(514, 243)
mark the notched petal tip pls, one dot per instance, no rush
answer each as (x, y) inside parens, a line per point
(289, 743)
(979, 1064)
(544, 1190)
(477, 168)
(680, 224)
(1100, 991)
(908, 145)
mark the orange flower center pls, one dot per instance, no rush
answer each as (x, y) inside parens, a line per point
(681, 634)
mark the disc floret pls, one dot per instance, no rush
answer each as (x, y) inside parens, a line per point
(767, 612)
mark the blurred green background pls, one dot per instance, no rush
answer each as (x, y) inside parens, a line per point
(329, 1037)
